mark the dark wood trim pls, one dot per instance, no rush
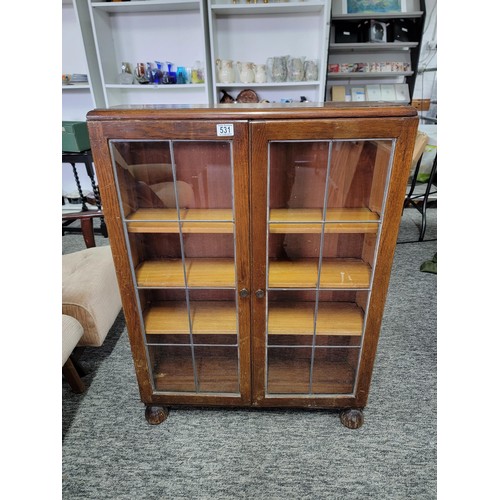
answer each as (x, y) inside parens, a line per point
(262, 111)
(243, 255)
(111, 208)
(259, 155)
(387, 245)
(72, 377)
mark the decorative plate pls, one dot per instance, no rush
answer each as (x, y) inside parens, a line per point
(247, 95)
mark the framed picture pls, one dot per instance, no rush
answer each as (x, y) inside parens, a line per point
(338, 93)
(372, 6)
(373, 92)
(358, 94)
(387, 92)
(402, 92)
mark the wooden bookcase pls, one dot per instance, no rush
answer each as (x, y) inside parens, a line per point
(253, 247)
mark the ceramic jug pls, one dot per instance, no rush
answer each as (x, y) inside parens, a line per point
(276, 67)
(246, 72)
(260, 73)
(225, 70)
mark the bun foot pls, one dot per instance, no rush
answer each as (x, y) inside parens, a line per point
(156, 414)
(352, 418)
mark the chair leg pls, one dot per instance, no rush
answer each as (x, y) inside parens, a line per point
(88, 232)
(78, 367)
(407, 201)
(72, 377)
(426, 199)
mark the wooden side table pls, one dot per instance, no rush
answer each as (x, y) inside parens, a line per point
(84, 157)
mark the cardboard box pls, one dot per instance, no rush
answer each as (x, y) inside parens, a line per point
(75, 137)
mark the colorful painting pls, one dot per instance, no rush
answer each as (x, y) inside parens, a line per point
(358, 6)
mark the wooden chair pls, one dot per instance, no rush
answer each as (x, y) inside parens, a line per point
(410, 200)
(86, 223)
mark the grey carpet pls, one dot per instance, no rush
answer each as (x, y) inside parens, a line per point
(110, 452)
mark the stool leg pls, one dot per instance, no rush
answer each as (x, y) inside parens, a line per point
(426, 198)
(79, 186)
(88, 232)
(71, 375)
(413, 183)
(97, 194)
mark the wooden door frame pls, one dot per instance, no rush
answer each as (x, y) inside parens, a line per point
(101, 132)
(403, 131)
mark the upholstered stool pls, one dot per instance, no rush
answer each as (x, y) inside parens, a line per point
(72, 332)
(90, 292)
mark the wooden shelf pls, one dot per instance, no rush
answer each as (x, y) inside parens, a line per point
(338, 318)
(335, 273)
(344, 220)
(76, 86)
(208, 273)
(377, 15)
(267, 8)
(149, 6)
(165, 220)
(371, 46)
(373, 75)
(305, 83)
(291, 376)
(174, 373)
(207, 318)
(147, 86)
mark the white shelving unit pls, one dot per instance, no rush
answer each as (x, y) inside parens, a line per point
(78, 56)
(142, 31)
(183, 32)
(254, 32)
(77, 98)
(374, 52)
(99, 36)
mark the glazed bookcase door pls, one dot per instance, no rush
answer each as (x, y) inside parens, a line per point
(320, 193)
(183, 207)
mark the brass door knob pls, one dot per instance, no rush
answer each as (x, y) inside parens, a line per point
(259, 293)
(244, 293)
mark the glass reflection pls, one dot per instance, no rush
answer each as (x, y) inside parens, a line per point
(177, 199)
(325, 210)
